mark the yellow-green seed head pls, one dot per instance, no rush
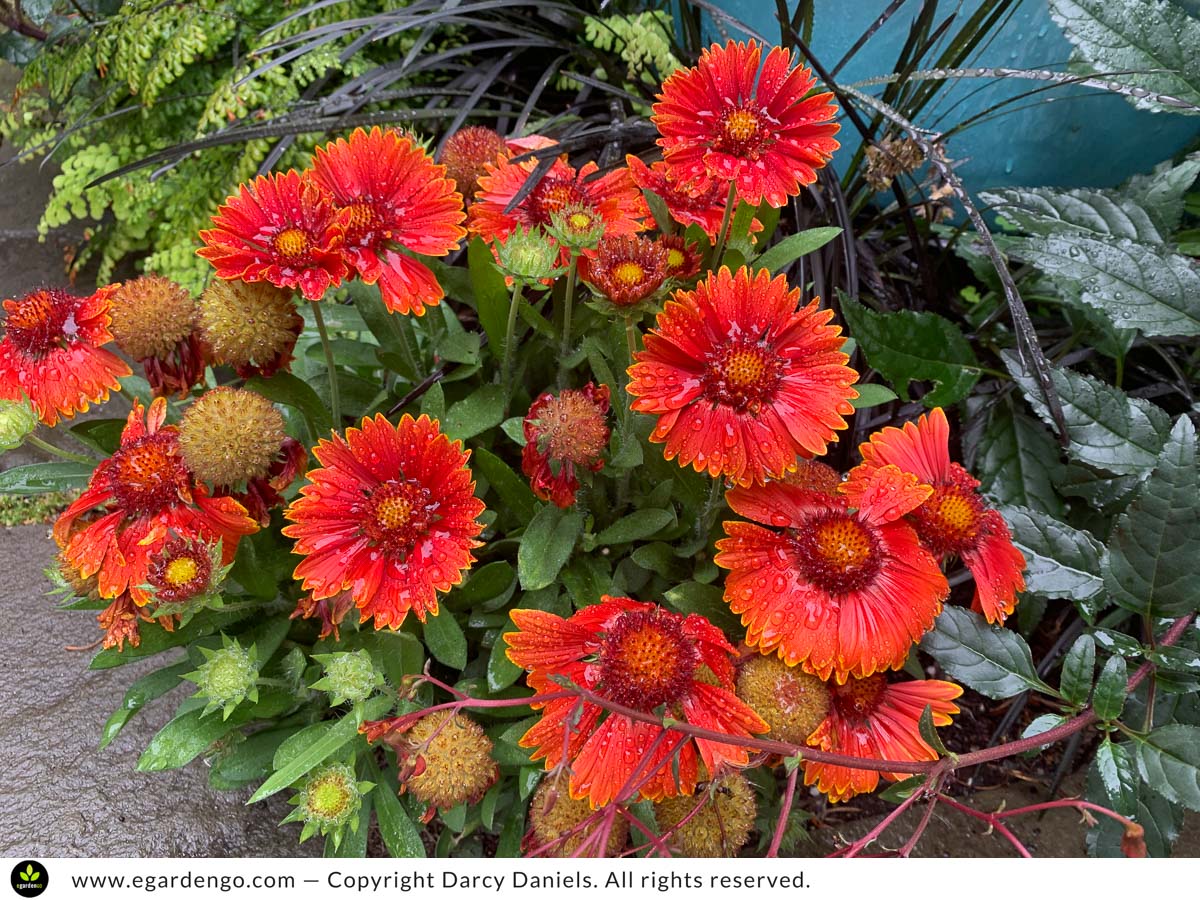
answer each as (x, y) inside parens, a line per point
(528, 256)
(553, 815)
(720, 828)
(227, 677)
(349, 677)
(793, 703)
(150, 316)
(246, 324)
(231, 435)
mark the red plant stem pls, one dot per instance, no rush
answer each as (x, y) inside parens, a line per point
(911, 843)
(651, 837)
(785, 812)
(1069, 803)
(861, 844)
(992, 820)
(16, 23)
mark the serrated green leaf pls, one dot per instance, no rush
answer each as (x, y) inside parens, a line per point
(546, 546)
(1169, 763)
(1108, 700)
(44, 478)
(445, 639)
(1117, 775)
(475, 414)
(1106, 427)
(795, 246)
(1079, 667)
(1017, 461)
(994, 661)
(636, 526)
(508, 485)
(1060, 561)
(1162, 191)
(1134, 285)
(1151, 44)
(316, 751)
(1154, 550)
(910, 346)
(1045, 211)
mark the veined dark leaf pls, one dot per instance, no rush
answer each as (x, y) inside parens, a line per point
(1117, 774)
(1169, 763)
(1017, 461)
(909, 346)
(1060, 561)
(994, 661)
(445, 639)
(546, 546)
(1079, 667)
(1046, 211)
(1161, 191)
(1108, 700)
(1154, 551)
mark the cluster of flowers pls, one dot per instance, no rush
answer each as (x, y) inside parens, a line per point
(835, 578)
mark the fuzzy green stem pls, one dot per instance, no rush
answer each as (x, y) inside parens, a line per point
(719, 246)
(510, 332)
(568, 303)
(58, 451)
(335, 396)
(631, 339)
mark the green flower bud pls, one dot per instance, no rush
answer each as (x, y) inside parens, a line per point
(17, 421)
(577, 226)
(227, 677)
(329, 800)
(528, 256)
(349, 677)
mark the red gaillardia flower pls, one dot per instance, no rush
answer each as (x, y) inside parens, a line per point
(392, 517)
(954, 520)
(642, 656)
(613, 197)
(705, 208)
(725, 121)
(683, 258)
(562, 433)
(873, 719)
(626, 270)
(390, 195)
(282, 229)
(833, 588)
(145, 495)
(52, 352)
(741, 380)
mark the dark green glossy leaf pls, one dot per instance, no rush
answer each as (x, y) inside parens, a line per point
(1017, 461)
(706, 600)
(512, 490)
(474, 415)
(1079, 667)
(1108, 700)
(1169, 763)
(994, 661)
(492, 296)
(636, 526)
(43, 478)
(147, 688)
(546, 546)
(791, 248)
(1060, 561)
(400, 835)
(445, 639)
(286, 388)
(870, 395)
(1117, 775)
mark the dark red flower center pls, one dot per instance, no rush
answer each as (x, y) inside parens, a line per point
(646, 659)
(551, 195)
(42, 321)
(147, 476)
(837, 552)
(397, 514)
(858, 698)
(743, 131)
(742, 374)
(362, 220)
(180, 571)
(292, 244)
(948, 522)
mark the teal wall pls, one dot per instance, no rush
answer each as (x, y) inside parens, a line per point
(1080, 138)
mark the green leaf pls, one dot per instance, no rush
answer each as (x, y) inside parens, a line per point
(929, 732)
(502, 671)
(474, 415)
(400, 835)
(43, 478)
(1108, 700)
(706, 600)
(1017, 461)
(870, 395)
(183, 739)
(1135, 285)
(1117, 773)
(906, 346)
(636, 526)
(546, 546)
(155, 640)
(1106, 427)
(445, 639)
(512, 490)
(1079, 666)
(319, 749)
(1041, 725)
(1152, 45)
(1046, 211)
(1154, 550)
(485, 583)
(100, 434)
(1161, 192)
(147, 688)
(250, 760)
(492, 296)
(286, 388)
(994, 661)
(1169, 763)
(795, 246)
(391, 330)
(1060, 561)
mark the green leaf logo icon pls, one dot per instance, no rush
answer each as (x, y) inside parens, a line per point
(28, 874)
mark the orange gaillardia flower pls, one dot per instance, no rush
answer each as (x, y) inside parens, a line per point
(954, 520)
(683, 258)
(153, 320)
(613, 197)
(873, 719)
(840, 590)
(705, 208)
(741, 381)
(724, 121)
(637, 655)
(627, 270)
(146, 496)
(52, 351)
(280, 229)
(390, 195)
(561, 434)
(392, 517)
(466, 154)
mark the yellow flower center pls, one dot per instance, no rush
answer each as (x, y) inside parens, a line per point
(181, 570)
(360, 219)
(957, 514)
(629, 273)
(744, 368)
(396, 515)
(292, 243)
(147, 476)
(859, 697)
(742, 375)
(394, 512)
(949, 521)
(675, 258)
(579, 221)
(646, 660)
(842, 543)
(837, 552)
(741, 125)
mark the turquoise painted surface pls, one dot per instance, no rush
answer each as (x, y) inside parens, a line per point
(1080, 139)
